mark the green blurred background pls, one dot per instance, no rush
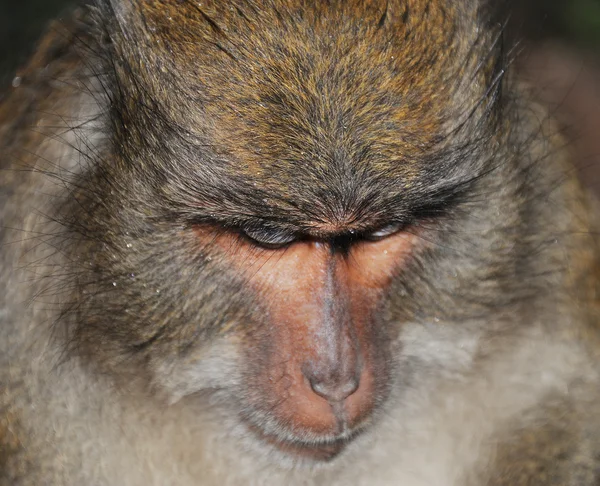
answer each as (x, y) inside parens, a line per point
(577, 21)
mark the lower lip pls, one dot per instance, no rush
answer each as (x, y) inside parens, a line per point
(301, 450)
(316, 452)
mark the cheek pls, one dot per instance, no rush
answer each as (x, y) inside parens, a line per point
(216, 365)
(372, 265)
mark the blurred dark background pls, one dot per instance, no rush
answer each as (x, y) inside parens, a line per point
(21, 24)
(576, 21)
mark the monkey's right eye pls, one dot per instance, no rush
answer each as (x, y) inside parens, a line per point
(269, 238)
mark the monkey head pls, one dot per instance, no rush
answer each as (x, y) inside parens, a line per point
(270, 206)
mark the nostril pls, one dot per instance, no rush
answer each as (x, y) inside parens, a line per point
(332, 389)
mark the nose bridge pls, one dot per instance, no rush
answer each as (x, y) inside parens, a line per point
(336, 333)
(334, 368)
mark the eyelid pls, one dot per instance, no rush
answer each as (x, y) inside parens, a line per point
(383, 232)
(268, 237)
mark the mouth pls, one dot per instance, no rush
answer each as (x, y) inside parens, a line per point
(316, 451)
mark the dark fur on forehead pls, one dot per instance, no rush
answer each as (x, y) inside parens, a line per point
(322, 112)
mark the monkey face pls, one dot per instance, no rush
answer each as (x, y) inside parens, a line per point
(263, 217)
(322, 364)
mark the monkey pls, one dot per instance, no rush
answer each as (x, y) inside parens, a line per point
(300, 242)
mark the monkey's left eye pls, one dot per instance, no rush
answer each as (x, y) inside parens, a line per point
(383, 232)
(269, 237)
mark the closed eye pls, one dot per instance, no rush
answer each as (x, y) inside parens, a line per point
(275, 238)
(269, 238)
(383, 232)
